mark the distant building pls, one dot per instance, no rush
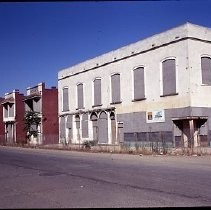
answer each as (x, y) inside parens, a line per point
(156, 89)
(43, 102)
(2, 131)
(13, 115)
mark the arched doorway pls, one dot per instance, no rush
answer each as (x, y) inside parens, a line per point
(69, 128)
(94, 120)
(113, 128)
(103, 128)
(77, 121)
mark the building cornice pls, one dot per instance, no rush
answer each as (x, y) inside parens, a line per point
(133, 54)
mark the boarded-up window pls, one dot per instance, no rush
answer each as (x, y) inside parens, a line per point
(62, 127)
(169, 77)
(115, 88)
(139, 91)
(69, 121)
(103, 128)
(69, 127)
(37, 105)
(85, 126)
(11, 110)
(10, 134)
(206, 70)
(80, 96)
(65, 99)
(6, 111)
(97, 92)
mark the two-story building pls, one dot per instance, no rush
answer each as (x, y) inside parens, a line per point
(43, 102)
(13, 118)
(155, 89)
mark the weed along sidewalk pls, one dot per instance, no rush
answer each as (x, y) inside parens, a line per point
(120, 149)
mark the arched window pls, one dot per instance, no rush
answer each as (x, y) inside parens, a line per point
(93, 116)
(97, 92)
(77, 121)
(139, 86)
(112, 116)
(206, 70)
(115, 88)
(169, 77)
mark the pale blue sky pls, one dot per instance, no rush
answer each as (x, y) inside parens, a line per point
(37, 40)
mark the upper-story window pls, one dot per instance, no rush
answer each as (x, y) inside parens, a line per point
(139, 86)
(206, 70)
(169, 77)
(33, 104)
(11, 110)
(65, 99)
(37, 105)
(97, 92)
(80, 94)
(5, 111)
(115, 89)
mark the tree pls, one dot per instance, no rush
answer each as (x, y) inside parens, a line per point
(32, 119)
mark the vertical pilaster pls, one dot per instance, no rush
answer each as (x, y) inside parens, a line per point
(109, 129)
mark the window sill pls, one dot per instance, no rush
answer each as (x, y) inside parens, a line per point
(96, 105)
(138, 99)
(80, 108)
(117, 102)
(66, 110)
(205, 85)
(171, 94)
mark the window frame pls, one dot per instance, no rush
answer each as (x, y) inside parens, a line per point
(161, 76)
(68, 104)
(77, 99)
(204, 56)
(133, 84)
(93, 92)
(111, 97)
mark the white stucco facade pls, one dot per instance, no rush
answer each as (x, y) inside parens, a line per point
(185, 44)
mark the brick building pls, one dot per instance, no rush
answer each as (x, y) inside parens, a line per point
(13, 115)
(43, 102)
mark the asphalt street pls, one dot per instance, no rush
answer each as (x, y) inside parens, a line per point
(38, 178)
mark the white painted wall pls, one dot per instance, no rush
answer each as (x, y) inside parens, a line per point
(151, 60)
(200, 94)
(188, 67)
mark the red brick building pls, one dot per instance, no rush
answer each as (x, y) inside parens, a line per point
(13, 115)
(44, 103)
